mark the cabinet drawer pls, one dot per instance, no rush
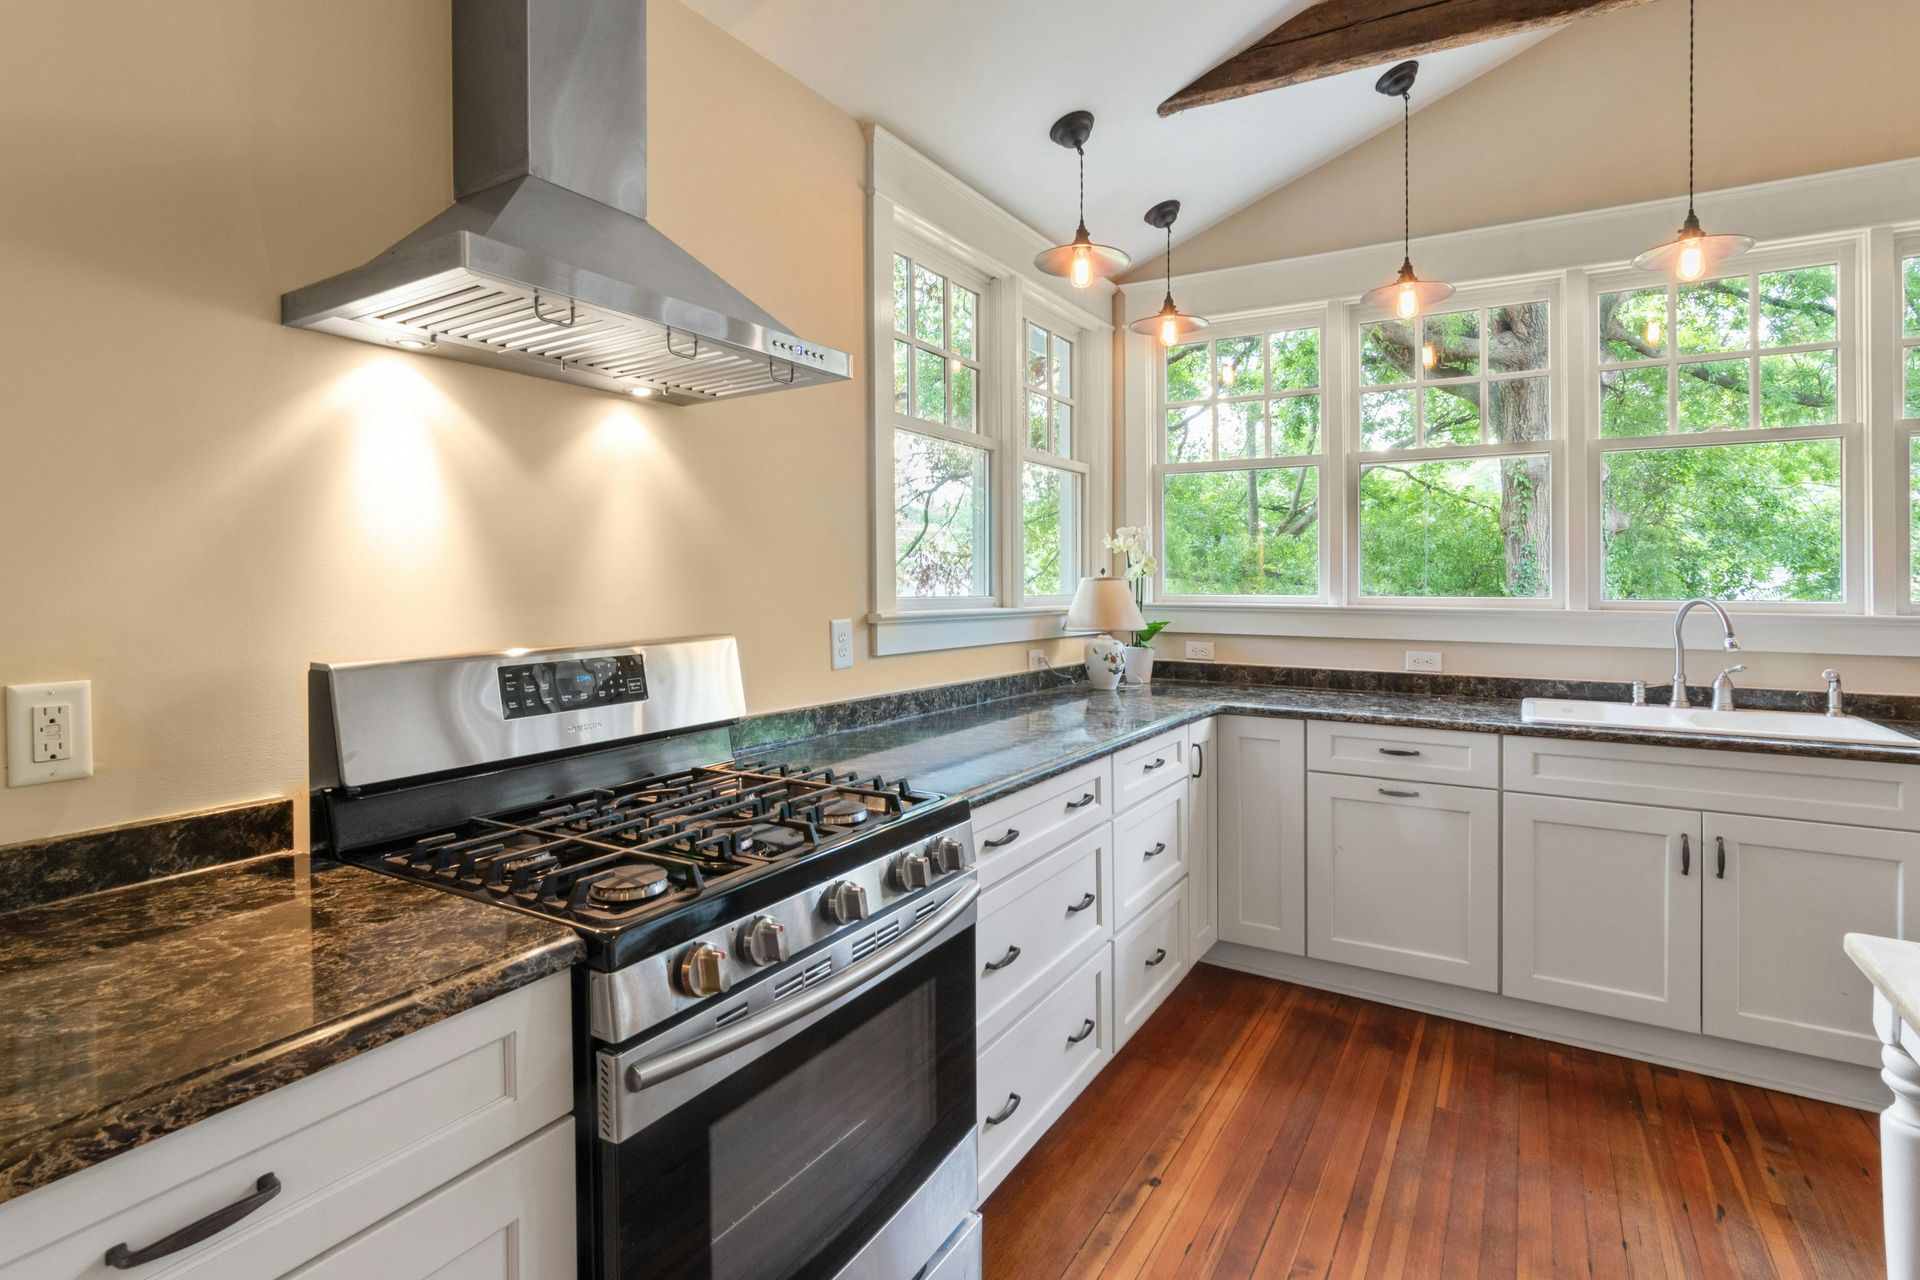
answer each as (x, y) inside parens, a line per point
(1149, 852)
(1416, 755)
(1016, 831)
(1039, 925)
(1035, 1071)
(510, 1218)
(1404, 878)
(1861, 793)
(1145, 768)
(349, 1145)
(1149, 958)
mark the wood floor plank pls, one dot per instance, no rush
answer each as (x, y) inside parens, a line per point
(1254, 1127)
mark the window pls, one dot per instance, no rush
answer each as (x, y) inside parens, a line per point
(1240, 461)
(942, 486)
(1050, 481)
(1910, 410)
(1720, 438)
(1455, 495)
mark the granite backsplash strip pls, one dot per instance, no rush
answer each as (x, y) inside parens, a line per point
(1874, 706)
(777, 727)
(40, 871)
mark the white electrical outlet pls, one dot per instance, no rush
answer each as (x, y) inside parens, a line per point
(842, 643)
(1422, 660)
(1037, 660)
(49, 732)
(1199, 651)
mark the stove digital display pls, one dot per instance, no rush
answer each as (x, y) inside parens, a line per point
(543, 688)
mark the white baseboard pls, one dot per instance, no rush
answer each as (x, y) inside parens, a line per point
(1837, 1082)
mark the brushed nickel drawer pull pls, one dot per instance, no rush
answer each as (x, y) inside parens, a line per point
(1086, 1030)
(1013, 833)
(1082, 802)
(1720, 858)
(1159, 954)
(1157, 762)
(1006, 1112)
(1397, 795)
(121, 1258)
(1081, 905)
(1398, 751)
(995, 966)
(1199, 760)
(1159, 848)
(1686, 855)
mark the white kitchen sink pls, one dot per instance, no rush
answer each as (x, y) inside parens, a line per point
(1804, 725)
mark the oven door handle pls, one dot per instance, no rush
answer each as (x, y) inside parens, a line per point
(644, 1075)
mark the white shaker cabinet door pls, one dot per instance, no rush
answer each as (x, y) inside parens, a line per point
(1404, 877)
(1780, 896)
(1203, 828)
(1262, 835)
(1602, 908)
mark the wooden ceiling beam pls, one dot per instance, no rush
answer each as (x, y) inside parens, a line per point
(1335, 36)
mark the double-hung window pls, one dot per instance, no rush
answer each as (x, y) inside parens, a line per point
(1454, 461)
(1053, 477)
(1724, 425)
(942, 452)
(1910, 406)
(1240, 459)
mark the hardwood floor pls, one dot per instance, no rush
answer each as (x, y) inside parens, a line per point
(1256, 1128)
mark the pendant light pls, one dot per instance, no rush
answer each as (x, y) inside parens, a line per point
(1083, 261)
(1408, 295)
(1169, 323)
(1692, 252)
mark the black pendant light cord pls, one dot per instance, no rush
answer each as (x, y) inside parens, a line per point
(1082, 153)
(1169, 262)
(1690, 108)
(1406, 176)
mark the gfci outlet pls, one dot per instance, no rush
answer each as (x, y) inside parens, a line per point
(842, 643)
(1199, 651)
(1422, 660)
(49, 732)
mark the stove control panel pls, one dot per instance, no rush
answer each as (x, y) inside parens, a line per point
(545, 688)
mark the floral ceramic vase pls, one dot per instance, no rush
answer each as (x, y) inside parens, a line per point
(1106, 662)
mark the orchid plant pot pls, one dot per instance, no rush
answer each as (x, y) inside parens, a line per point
(1139, 664)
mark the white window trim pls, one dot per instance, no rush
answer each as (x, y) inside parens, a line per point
(980, 243)
(1886, 397)
(1869, 207)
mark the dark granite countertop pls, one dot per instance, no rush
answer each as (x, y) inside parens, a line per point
(127, 1014)
(986, 751)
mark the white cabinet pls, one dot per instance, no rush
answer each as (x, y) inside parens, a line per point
(1404, 877)
(1262, 836)
(1038, 926)
(1149, 852)
(509, 1219)
(1146, 767)
(1410, 754)
(1780, 896)
(1602, 908)
(1203, 807)
(1149, 959)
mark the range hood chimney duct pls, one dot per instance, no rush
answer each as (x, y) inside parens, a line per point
(545, 264)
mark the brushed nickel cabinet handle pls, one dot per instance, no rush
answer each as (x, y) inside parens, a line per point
(1159, 954)
(1686, 855)
(1006, 1112)
(1081, 905)
(1082, 802)
(121, 1258)
(1398, 751)
(1157, 762)
(995, 966)
(1013, 833)
(1397, 795)
(1085, 1031)
(1199, 760)
(1719, 857)
(1159, 848)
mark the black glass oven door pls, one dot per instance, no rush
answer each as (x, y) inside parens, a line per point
(781, 1158)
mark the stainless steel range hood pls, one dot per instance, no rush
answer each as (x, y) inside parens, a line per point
(546, 264)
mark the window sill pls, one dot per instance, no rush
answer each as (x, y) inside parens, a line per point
(927, 630)
(1626, 628)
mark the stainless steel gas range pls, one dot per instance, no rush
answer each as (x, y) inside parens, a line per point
(775, 1024)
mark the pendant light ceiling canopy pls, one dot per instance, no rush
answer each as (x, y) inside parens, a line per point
(1408, 295)
(1692, 252)
(1169, 323)
(1081, 262)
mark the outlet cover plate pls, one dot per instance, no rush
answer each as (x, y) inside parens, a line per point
(842, 640)
(1422, 660)
(1037, 660)
(1199, 651)
(22, 771)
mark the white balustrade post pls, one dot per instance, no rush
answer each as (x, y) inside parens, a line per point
(1900, 1163)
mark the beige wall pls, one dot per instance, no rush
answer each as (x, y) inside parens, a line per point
(1595, 115)
(195, 502)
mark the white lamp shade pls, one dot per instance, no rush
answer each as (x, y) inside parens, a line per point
(1104, 604)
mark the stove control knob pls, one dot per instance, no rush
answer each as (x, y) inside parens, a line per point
(702, 971)
(948, 854)
(845, 902)
(763, 940)
(912, 871)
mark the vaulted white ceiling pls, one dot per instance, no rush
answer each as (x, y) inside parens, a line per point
(975, 84)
